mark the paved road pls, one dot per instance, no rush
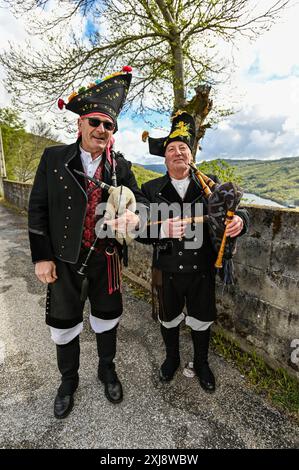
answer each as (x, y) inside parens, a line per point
(178, 415)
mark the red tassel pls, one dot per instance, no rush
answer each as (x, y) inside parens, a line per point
(109, 273)
(60, 103)
(127, 68)
(113, 271)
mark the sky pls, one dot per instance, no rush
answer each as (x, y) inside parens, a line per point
(265, 84)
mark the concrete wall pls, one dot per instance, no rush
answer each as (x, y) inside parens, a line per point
(263, 307)
(1, 187)
(2, 165)
(261, 310)
(17, 193)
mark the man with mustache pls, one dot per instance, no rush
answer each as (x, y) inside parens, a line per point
(62, 220)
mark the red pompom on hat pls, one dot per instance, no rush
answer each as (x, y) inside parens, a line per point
(60, 103)
(127, 68)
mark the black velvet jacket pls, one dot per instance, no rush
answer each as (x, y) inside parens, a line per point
(171, 254)
(58, 203)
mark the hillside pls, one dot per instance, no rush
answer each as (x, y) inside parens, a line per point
(142, 174)
(277, 180)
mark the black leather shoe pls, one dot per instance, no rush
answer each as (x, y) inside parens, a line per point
(206, 378)
(168, 369)
(63, 406)
(114, 391)
(113, 387)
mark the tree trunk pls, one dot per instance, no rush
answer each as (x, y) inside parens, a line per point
(200, 106)
(178, 81)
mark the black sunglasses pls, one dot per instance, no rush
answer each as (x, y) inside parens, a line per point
(93, 122)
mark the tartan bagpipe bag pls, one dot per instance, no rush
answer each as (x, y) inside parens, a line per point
(222, 204)
(222, 200)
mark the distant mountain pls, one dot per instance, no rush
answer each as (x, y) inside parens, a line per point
(277, 180)
(156, 168)
(254, 161)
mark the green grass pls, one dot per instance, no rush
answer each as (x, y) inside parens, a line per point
(277, 386)
(138, 291)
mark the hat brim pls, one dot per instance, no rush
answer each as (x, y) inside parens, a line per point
(158, 146)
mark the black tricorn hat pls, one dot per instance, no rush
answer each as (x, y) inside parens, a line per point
(103, 96)
(182, 130)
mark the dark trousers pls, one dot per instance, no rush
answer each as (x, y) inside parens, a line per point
(195, 290)
(64, 306)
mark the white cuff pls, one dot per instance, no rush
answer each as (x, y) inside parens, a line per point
(99, 325)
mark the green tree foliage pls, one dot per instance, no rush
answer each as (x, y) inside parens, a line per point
(22, 150)
(13, 134)
(222, 169)
(171, 45)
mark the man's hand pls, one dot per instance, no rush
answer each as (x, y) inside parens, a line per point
(45, 271)
(234, 227)
(173, 228)
(124, 224)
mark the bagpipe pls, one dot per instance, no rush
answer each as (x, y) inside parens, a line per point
(222, 199)
(120, 198)
(222, 202)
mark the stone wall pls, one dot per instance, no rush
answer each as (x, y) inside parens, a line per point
(16, 193)
(2, 165)
(261, 310)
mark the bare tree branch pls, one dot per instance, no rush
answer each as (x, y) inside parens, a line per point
(158, 38)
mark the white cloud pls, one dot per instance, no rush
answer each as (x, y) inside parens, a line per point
(291, 125)
(265, 88)
(128, 141)
(274, 51)
(12, 30)
(264, 85)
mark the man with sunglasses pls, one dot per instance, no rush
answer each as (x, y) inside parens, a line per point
(62, 219)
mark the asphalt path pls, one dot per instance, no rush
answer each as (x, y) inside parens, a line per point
(178, 415)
